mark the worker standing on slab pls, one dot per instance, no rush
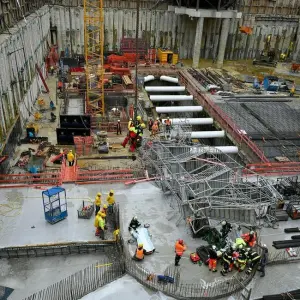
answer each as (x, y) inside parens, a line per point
(71, 158)
(263, 261)
(212, 261)
(96, 224)
(150, 124)
(111, 202)
(97, 203)
(139, 253)
(119, 128)
(293, 90)
(155, 128)
(180, 247)
(101, 224)
(253, 259)
(168, 125)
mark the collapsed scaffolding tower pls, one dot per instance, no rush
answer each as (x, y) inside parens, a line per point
(208, 185)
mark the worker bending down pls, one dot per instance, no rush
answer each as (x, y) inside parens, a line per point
(139, 253)
(253, 259)
(97, 203)
(134, 224)
(180, 247)
(212, 261)
(241, 261)
(249, 238)
(70, 158)
(111, 201)
(227, 261)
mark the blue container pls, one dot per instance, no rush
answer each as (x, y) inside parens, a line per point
(55, 204)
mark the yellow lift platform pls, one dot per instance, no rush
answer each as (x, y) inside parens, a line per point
(167, 56)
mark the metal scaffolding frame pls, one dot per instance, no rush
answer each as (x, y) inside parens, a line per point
(209, 186)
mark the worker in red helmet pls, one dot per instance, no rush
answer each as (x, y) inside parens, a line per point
(180, 247)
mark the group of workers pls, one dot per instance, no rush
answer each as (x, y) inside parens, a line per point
(101, 213)
(135, 133)
(154, 126)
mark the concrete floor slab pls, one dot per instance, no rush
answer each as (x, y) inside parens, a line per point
(29, 275)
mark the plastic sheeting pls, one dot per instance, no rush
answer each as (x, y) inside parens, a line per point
(19, 52)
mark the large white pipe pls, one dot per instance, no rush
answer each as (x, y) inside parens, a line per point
(191, 121)
(170, 97)
(169, 79)
(165, 88)
(148, 78)
(207, 134)
(214, 150)
(174, 109)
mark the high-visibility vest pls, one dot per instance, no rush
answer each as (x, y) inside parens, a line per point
(179, 249)
(139, 253)
(70, 157)
(168, 122)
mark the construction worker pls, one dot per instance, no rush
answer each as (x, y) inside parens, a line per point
(99, 223)
(134, 224)
(104, 209)
(52, 106)
(130, 124)
(71, 158)
(130, 136)
(139, 253)
(119, 128)
(263, 261)
(150, 124)
(52, 117)
(111, 201)
(97, 203)
(249, 238)
(116, 234)
(155, 128)
(168, 125)
(212, 261)
(226, 228)
(253, 259)
(241, 262)
(227, 261)
(180, 247)
(293, 90)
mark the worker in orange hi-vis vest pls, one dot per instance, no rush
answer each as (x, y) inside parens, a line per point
(168, 124)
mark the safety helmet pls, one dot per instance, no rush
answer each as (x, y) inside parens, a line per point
(223, 223)
(168, 118)
(157, 118)
(104, 206)
(233, 247)
(103, 215)
(180, 241)
(240, 247)
(99, 213)
(70, 151)
(119, 121)
(130, 119)
(139, 118)
(264, 245)
(99, 194)
(214, 247)
(111, 191)
(135, 218)
(251, 232)
(140, 245)
(143, 125)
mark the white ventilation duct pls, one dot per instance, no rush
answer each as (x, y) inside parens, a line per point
(224, 149)
(165, 88)
(169, 79)
(207, 134)
(171, 97)
(191, 121)
(148, 78)
(174, 109)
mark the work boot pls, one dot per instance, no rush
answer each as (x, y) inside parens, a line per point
(177, 265)
(215, 270)
(262, 275)
(223, 273)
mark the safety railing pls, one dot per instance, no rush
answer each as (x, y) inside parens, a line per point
(112, 126)
(226, 123)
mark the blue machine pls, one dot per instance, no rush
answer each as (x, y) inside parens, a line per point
(55, 204)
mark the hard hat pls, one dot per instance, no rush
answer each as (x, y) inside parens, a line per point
(251, 232)
(168, 118)
(240, 246)
(139, 118)
(70, 151)
(135, 218)
(180, 241)
(214, 247)
(233, 247)
(264, 245)
(104, 206)
(157, 118)
(248, 249)
(99, 213)
(143, 125)
(130, 119)
(99, 194)
(119, 121)
(103, 215)
(111, 191)
(223, 223)
(140, 245)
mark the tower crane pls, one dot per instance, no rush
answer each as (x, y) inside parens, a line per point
(94, 48)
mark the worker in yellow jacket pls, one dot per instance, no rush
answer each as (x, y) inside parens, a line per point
(71, 158)
(111, 201)
(97, 203)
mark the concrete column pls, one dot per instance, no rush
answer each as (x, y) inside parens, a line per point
(223, 42)
(197, 44)
(297, 44)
